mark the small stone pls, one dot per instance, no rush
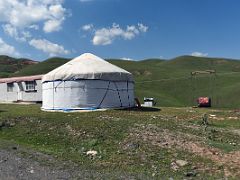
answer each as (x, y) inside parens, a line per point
(194, 167)
(212, 115)
(12, 124)
(92, 153)
(14, 147)
(165, 143)
(190, 174)
(181, 163)
(132, 146)
(7, 124)
(31, 171)
(3, 160)
(174, 166)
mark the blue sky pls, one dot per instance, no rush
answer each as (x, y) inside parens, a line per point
(128, 29)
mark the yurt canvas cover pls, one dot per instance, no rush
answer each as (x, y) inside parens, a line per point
(87, 82)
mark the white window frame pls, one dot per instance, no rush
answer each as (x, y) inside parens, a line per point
(10, 87)
(30, 85)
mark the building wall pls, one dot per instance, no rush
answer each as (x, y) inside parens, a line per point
(8, 96)
(31, 96)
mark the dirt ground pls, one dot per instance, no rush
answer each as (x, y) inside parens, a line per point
(20, 163)
(14, 166)
(189, 143)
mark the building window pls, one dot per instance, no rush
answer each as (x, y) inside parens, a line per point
(10, 87)
(30, 85)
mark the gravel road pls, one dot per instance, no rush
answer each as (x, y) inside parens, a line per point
(20, 163)
(37, 166)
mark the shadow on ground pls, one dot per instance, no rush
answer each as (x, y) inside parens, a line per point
(143, 109)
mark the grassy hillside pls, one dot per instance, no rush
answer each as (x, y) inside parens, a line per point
(169, 81)
(130, 144)
(42, 67)
(9, 65)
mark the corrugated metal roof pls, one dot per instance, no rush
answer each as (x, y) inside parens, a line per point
(21, 79)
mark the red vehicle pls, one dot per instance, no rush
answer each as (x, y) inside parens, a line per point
(204, 102)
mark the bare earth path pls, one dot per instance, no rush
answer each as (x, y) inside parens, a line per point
(20, 163)
(15, 165)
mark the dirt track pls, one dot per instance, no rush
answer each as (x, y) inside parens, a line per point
(14, 166)
(19, 163)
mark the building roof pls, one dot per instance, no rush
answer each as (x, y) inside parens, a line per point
(88, 66)
(21, 79)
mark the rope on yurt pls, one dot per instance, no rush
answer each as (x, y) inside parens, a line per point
(128, 96)
(118, 94)
(53, 95)
(58, 85)
(104, 95)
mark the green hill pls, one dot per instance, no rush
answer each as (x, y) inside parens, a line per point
(41, 67)
(169, 81)
(9, 65)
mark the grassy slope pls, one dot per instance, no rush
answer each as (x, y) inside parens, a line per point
(175, 92)
(9, 65)
(119, 138)
(180, 92)
(42, 67)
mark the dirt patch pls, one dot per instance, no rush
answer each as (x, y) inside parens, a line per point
(147, 73)
(73, 132)
(195, 127)
(137, 73)
(236, 131)
(190, 143)
(222, 61)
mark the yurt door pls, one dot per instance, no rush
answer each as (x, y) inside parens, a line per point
(20, 92)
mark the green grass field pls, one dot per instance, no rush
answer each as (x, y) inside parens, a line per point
(144, 143)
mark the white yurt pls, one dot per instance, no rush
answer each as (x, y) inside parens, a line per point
(87, 83)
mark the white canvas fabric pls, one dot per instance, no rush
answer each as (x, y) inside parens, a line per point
(87, 82)
(88, 66)
(87, 94)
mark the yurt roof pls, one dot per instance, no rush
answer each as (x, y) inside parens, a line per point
(88, 66)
